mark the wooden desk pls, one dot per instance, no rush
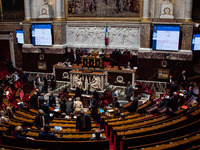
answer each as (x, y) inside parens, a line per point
(113, 75)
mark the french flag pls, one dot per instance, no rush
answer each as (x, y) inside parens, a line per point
(106, 37)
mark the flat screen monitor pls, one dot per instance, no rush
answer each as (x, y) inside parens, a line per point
(196, 42)
(20, 36)
(166, 37)
(42, 34)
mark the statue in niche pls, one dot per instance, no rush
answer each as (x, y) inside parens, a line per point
(95, 83)
(77, 81)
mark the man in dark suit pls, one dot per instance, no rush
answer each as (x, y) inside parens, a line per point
(173, 88)
(78, 91)
(128, 66)
(46, 135)
(87, 91)
(83, 122)
(172, 103)
(53, 81)
(34, 101)
(182, 79)
(75, 58)
(24, 77)
(69, 106)
(19, 133)
(52, 100)
(41, 100)
(134, 105)
(92, 103)
(116, 57)
(41, 120)
(45, 108)
(46, 78)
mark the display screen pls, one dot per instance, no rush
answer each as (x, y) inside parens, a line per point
(20, 36)
(166, 37)
(41, 34)
(196, 42)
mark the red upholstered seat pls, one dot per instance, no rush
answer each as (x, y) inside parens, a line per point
(106, 64)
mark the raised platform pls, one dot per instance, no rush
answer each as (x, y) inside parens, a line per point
(113, 75)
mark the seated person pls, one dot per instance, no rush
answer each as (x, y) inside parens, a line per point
(128, 66)
(19, 133)
(9, 113)
(117, 112)
(4, 120)
(41, 120)
(15, 76)
(7, 80)
(67, 62)
(97, 135)
(46, 135)
(172, 103)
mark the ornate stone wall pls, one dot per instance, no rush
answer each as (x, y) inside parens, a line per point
(179, 7)
(94, 37)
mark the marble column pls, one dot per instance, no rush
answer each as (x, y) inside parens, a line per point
(146, 11)
(59, 10)
(27, 7)
(188, 10)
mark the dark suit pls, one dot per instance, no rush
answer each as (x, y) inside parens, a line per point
(182, 80)
(25, 78)
(173, 88)
(79, 123)
(172, 103)
(47, 136)
(78, 92)
(96, 95)
(45, 108)
(93, 103)
(134, 105)
(87, 92)
(39, 123)
(75, 58)
(19, 135)
(41, 101)
(53, 82)
(45, 88)
(69, 107)
(34, 102)
(52, 101)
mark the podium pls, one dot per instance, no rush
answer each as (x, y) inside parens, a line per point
(91, 62)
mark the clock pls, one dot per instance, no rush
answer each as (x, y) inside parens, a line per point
(167, 11)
